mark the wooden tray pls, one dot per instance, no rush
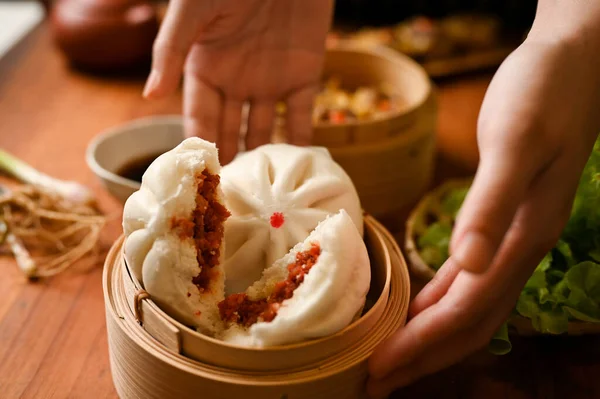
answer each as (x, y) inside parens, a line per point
(147, 359)
(419, 269)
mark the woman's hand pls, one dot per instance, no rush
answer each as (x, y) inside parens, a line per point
(537, 126)
(233, 51)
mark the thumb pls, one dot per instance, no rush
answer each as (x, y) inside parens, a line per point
(182, 24)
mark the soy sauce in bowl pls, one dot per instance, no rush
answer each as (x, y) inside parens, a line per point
(135, 169)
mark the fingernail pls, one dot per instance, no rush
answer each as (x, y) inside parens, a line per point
(474, 253)
(151, 83)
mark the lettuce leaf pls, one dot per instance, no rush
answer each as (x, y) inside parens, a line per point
(452, 202)
(434, 244)
(583, 281)
(547, 319)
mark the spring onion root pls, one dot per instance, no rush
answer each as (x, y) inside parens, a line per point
(70, 190)
(22, 256)
(47, 233)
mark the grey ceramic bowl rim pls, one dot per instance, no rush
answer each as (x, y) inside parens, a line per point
(90, 155)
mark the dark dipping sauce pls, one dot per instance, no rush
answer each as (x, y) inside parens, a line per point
(135, 169)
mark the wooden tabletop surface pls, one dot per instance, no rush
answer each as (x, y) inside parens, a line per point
(53, 340)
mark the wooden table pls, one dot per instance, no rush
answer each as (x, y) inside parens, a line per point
(52, 333)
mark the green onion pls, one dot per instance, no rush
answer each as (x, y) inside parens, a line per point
(500, 342)
(21, 254)
(70, 190)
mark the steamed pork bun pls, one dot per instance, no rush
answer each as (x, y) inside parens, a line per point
(175, 228)
(316, 290)
(174, 233)
(277, 194)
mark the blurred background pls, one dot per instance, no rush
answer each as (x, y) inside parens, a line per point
(515, 14)
(448, 37)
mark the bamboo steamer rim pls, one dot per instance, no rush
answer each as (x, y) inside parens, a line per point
(397, 140)
(122, 325)
(519, 324)
(393, 57)
(370, 222)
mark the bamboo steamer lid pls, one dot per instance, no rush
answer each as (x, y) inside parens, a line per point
(421, 270)
(143, 366)
(390, 159)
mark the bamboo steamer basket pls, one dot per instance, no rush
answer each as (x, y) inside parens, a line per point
(389, 159)
(419, 269)
(153, 356)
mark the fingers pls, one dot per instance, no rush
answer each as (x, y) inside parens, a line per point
(435, 289)
(456, 347)
(446, 329)
(428, 328)
(299, 116)
(451, 351)
(202, 109)
(458, 324)
(543, 215)
(230, 130)
(260, 124)
(469, 299)
(183, 21)
(499, 187)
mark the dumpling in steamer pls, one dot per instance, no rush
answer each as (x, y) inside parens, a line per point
(315, 290)
(174, 233)
(277, 194)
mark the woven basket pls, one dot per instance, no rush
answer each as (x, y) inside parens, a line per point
(153, 356)
(418, 268)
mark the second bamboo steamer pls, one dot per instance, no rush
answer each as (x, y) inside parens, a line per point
(390, 159)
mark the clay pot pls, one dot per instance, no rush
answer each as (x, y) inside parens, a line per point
(104, 34)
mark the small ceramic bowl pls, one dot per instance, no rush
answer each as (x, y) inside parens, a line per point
(111, 150)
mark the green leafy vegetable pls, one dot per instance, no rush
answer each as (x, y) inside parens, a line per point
(545, 318)
(434, 244)
(580, 316)
(500, 343)
(452, 202)
(583, 281)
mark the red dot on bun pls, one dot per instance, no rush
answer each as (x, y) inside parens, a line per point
(277, 220)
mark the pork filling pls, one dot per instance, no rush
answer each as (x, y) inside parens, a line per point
(238, 308)
(206, 227)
